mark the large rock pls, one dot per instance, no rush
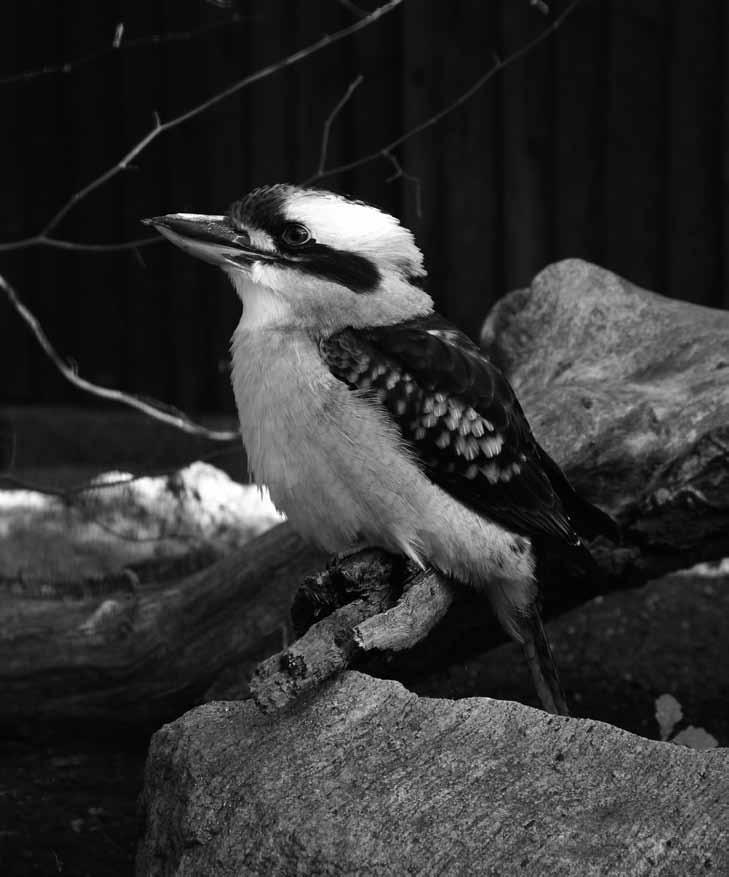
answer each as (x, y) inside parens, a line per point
(367, 778)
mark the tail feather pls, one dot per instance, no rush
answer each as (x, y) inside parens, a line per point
(540, 661)
(589, 520)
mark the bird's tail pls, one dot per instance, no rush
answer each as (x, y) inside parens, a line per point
(538, 654)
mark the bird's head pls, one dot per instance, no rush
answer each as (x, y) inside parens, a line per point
(308, 258)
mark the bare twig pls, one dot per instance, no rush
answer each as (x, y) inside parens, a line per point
(499, 64)
(401, 174)
(351, 88)
(74, 246)
(116, 47)
(160, 127)
(171, 416)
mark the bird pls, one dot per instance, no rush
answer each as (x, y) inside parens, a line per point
(371, 419)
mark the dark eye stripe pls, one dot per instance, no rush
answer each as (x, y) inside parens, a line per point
(348, 269)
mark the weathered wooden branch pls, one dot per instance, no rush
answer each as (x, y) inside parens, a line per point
(375, 621)
(629, 391)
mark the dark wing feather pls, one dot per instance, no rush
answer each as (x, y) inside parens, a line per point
(459, 416)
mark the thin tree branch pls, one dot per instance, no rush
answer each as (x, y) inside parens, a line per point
(171, 416)
(500, 64)
(118, 46)
(351, 88)
(101, 248)
(160, 127)
(401, 174)
(77, 247)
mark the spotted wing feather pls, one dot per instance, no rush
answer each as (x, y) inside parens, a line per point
(459, 416)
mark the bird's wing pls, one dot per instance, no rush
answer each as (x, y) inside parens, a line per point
(458, 415)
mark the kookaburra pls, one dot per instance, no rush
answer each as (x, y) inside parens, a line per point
(370, 418)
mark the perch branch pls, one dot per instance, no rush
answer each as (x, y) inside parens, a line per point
(424, 603)
(383, 615)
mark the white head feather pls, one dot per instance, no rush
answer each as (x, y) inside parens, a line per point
(357, 227)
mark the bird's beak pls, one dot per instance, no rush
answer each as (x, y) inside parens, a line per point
(210, 238)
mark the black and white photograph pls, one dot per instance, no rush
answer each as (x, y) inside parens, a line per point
(364, 438)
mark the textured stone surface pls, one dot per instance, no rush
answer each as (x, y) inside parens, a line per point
(367, 778)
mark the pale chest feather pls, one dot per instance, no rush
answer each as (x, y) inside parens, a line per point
(315, 446)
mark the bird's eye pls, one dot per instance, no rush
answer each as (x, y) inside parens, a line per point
(295, 234)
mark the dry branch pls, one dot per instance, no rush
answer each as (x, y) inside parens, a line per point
(328, 646)
(167, 414)
(330, 119)
(387, 613)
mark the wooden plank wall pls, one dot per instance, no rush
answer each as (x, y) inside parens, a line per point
(608, 142)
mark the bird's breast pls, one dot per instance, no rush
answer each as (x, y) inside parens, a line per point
(336, 465)
(318, 448)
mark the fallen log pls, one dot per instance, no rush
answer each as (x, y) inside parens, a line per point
(629, 391)
(140, 651)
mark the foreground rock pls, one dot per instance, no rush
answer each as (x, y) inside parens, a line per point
(367, 778)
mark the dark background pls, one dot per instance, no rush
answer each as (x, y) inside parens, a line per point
(608, 141)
